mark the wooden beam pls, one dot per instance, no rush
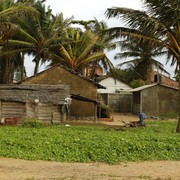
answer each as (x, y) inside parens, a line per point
(0, 110)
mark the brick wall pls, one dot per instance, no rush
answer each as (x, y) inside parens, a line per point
(164, 80)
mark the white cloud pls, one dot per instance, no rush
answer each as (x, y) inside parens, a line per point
(86, 10)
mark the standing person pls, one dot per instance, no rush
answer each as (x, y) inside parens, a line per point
(142, 116)
(65, 108)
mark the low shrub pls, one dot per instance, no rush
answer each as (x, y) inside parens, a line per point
(32, 123)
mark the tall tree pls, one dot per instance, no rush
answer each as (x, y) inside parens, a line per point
(103, 43)
(77, 52)
(38, 36)
(9, 11)
(142, 57)
(160, 18)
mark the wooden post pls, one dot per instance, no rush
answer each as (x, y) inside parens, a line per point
(95, 112)
(0, 110)
(36, 109)
(52, 114)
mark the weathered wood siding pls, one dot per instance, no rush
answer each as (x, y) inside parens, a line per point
(30, 110)
(33, 101)
(78, 85)
(45, 112)
(12, 109)
(57, 116)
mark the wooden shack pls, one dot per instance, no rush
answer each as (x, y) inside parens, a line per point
(82, 90)
(43, 102)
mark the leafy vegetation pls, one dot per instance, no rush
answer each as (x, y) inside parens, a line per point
(137, 83)
(32, 123)
(169, 115)
(157, 141)
(48, 38)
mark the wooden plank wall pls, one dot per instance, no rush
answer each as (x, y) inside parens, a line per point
(30, 110)
(44, 112)
(12, 109)
(57, 113)
(0, 111)
(49, 112)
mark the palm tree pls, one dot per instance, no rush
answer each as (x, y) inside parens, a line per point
(142, 55)
(160, 18)
(38, 36)
(103, 43)
(9, 11)
(77, 52)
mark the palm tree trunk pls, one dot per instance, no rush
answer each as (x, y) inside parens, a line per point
(6, 73)
(22, 66)
(178, 125)
(148, 73)
(6, 77)
(11, 73)
(92, 72)
(36, 66)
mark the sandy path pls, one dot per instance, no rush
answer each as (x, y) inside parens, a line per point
(15, 169)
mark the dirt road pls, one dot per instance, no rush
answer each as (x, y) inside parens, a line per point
(15, 169)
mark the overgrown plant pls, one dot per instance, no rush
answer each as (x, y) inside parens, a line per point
(32, 123)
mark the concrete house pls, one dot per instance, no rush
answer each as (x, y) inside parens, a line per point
(116, 95)
(113, 86)
(37, 101)
(83, 91)
(155, 99)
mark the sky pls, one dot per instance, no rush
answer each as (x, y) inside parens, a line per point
(88, 10)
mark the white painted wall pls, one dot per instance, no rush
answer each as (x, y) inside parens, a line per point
(112, 86)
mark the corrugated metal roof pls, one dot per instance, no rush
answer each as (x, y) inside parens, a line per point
(148, 86)
(142, 87)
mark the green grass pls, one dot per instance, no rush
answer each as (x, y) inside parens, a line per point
(169, 116)
(157, 141)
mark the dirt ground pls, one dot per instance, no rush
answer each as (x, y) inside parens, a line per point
(16, 169)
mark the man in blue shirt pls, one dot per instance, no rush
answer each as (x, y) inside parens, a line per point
(142, 116)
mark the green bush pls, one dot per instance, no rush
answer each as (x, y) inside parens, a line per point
(137, 83)
(32, 123)
(105, 111)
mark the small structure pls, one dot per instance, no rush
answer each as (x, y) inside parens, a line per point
(113, 85)
(83, 91)
(155, 99)
(33, 101)
(116, 95)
